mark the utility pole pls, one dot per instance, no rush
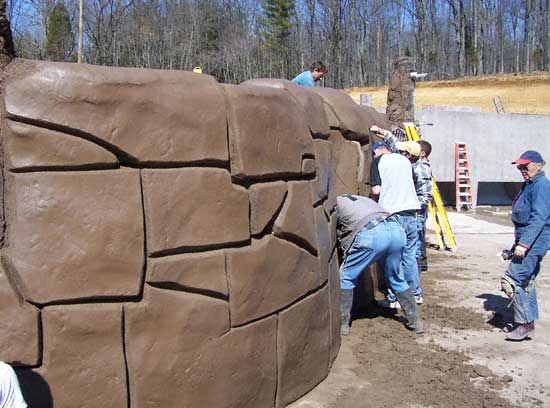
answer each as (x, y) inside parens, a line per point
(80, 32)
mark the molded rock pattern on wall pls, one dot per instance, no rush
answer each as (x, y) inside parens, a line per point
(170, 240)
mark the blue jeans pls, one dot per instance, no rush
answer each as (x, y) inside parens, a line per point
(523, 272)
(421, 231)
(384, 242)
(409, 266)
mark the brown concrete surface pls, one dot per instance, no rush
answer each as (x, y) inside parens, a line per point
(170, 241)
(462, 360)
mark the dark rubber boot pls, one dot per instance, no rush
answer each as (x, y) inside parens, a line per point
(408, 304)
(346, 301)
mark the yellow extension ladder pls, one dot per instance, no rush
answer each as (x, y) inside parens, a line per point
(443, 231)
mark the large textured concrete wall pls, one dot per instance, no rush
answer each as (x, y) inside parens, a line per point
(493, 141)
(169, 241)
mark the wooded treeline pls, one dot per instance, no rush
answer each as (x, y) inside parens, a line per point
(235, 40)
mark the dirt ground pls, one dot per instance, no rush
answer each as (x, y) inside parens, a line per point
(462, 360)
(519, 93)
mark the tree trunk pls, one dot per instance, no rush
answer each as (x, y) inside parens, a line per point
(7, 49)
(527, 35)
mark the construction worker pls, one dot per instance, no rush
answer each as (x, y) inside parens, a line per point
(392, 180)
(422, 177)
(308, 78)
(367, 233)
(531, 218)
(422, 170)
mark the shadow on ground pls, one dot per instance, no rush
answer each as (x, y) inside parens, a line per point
(502, 314)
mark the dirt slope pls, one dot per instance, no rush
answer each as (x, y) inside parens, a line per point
(519, 93)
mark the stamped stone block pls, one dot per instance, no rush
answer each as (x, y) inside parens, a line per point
(76, 235)
(142, 115)
(267, 276)
(296, 221)
(346, 157)
(181, 352)
(266, 136)
(308, 166)
(334, 293)
(311, 103)
(333, 120)
(329, 204)
(373, 117)
(31, 147)
(193, 207)
(350, 115)
(303, 330)
(333, 219)
(203, 272)
(324, 166)
(84, 363)
(265, 200)
(19, 334)
(364, 186)
(325, 243)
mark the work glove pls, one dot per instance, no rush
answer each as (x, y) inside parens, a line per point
(379, 131)
(519, 251)
(506, 254)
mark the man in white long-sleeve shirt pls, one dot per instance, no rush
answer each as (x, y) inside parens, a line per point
(392, 179)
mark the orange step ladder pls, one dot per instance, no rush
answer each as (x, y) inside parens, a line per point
(462, 178)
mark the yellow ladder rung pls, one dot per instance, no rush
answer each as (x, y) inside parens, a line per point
(436, 208)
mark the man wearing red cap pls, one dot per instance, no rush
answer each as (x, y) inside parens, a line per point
(531, 218)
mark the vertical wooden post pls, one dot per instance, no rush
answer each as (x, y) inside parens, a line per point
(365, 99)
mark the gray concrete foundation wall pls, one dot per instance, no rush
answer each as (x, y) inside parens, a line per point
(493, 141)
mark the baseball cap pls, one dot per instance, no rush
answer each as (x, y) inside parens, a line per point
(411, 147)
(379, 144)
(528, 157)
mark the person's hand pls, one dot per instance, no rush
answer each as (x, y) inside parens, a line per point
(519, 251)
(506, 254)
(377, 130)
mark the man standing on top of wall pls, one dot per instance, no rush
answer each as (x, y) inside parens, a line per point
(308, 78)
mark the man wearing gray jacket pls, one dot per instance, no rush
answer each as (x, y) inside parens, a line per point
(366, 234)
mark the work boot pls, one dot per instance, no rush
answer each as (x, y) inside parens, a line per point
(408, 303)
(422, 264)
(346, 301)
(521, 332)
(385, 303)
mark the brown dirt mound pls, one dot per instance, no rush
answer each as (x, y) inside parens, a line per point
(520, 93)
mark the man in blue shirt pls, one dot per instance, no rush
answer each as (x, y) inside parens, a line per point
(531, 218)
(315, 72)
